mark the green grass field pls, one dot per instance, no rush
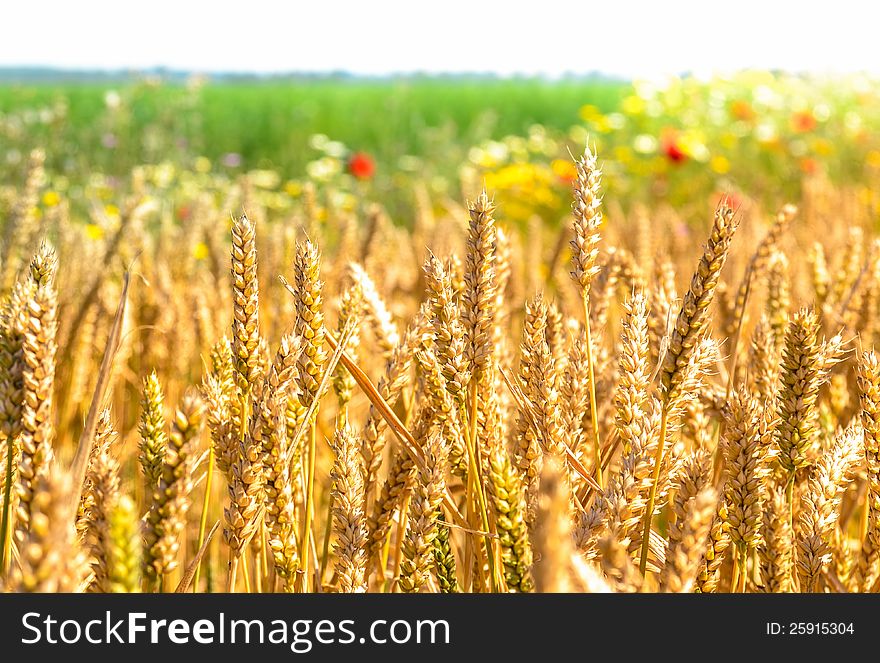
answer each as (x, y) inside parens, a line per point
(269, 123)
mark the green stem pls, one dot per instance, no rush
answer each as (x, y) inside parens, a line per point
(246, 573)
(739, 568)
(594, 407)
(203, 520)
(383, 561)
(398, 549)
(652, 496)
(478, 483)
(310, 490)
(743, 565)
(734, 581)
(328, 528)
(5, 539)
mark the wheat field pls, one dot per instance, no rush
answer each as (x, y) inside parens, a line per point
(326, 401)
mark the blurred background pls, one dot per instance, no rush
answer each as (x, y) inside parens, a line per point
(688, 98)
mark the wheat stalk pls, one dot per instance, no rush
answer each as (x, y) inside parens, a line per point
(102, 492)
(347, 476)
(820, 506)
(171, 499)
(50, 558)
(775, 549)
(685, 337)
(38, 326)
(424, 509)
(153, 438)
(587, 218)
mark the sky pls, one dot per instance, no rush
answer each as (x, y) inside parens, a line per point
(375, 37)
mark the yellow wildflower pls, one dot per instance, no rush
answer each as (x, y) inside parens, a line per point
(633, 105)
(719, 164)
(293, 188)
(94, 231)
(203, 165)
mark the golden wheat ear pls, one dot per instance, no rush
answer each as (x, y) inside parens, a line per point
(245, 290)
(820, 506)
(166, 519)
(51, 559)
(424, 510)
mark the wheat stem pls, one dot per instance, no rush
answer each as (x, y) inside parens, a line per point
(594, 406)
(310, 497)
(474, 465)
(652, 495)
(5, 538)
(203, 518)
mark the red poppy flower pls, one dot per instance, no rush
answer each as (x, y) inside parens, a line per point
(803, 121)
(674, 153)
(361, 165)
(671, 147)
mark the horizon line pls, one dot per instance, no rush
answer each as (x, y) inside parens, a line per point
(22, 72)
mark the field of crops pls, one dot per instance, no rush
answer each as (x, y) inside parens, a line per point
(441, 336)
(269, 123)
